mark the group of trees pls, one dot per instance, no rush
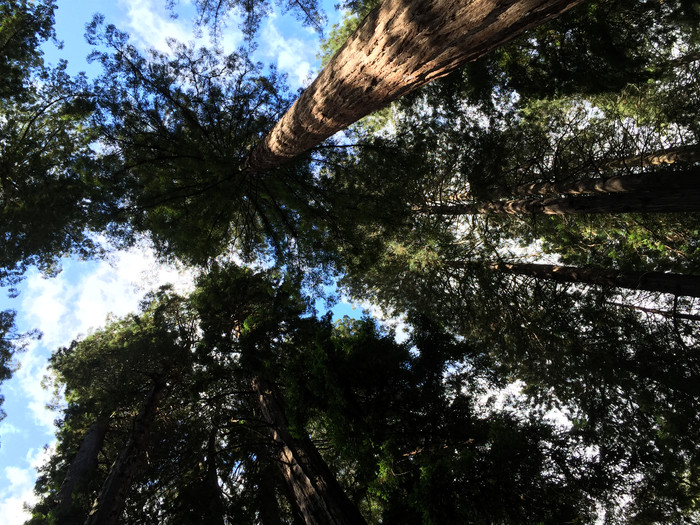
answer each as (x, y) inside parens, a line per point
(532, 213)
(203, 406)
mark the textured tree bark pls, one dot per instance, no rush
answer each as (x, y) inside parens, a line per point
(400, 46)
(81, 469)
(671, 283)
(657, 158)
(317, 493)
(671, 201)
(109, 504)
(688, 180)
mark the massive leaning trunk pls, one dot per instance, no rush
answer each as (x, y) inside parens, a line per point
(317, 493)
(110, 502)
(670, 283)
(81, 469)
(400, 46)
(666, 201)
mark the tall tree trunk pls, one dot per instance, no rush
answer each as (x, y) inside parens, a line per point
(215, 505)
(109, 504)
(81, 469)
(318, 494)
(399, 47)
(266, 496)
(688, 180)
(676, 155)
(672, 201)
(671, 283)
(668, 314)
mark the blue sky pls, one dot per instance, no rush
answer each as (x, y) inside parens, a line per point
(81, 297)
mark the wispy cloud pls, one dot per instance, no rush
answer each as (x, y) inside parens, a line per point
(19, 488)
(293, 56)
(7, 429)
(149, 23)
(151, 26)
(76, 302)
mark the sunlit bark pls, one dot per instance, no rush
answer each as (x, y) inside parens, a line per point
(399, 47)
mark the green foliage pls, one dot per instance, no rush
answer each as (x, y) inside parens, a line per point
(176, 130)
(410, 430)
(11, 342)
(214, 12)
(24, 26)
(48, 193)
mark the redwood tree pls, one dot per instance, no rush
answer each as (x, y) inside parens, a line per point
(400, 46)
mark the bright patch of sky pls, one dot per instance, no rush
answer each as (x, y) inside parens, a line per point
(281, 40)
(82, 296)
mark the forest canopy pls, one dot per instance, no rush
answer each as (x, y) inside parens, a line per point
(518, 183)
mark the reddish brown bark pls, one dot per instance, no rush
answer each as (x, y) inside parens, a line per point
(399, 47)
(81, 469)
(671, 283)
(110, 502)
(317, 493)
(657, 158)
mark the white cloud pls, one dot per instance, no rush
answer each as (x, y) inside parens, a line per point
(12, 502)
(8, 428)
(19, 489)
(77, 301)
(151, 26)
(149, 23)
(293, 56)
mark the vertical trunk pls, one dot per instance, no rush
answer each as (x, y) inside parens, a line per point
(687, 180)
(215, 507)
(317, 493)
(110, 502)
(269, 512)
(400, 46)
(672, 201)
(671, 283)
(81, 469)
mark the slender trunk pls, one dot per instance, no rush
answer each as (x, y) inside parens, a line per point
(663, 313)
(81, 470)
(687, 180)
(656, 158)
(671, 283)
(317, 493)
(399, 47)
(109, 504)
(672, 201)
(215, 506)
